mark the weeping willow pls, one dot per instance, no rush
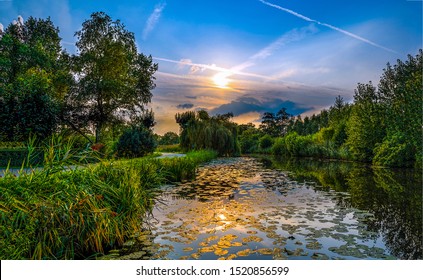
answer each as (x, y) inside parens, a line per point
(200, 131)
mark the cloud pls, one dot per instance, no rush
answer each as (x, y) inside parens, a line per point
(247, 104)
(328, 25)
(211, 67)
(185, 106)
(152, 20)
(291, 36)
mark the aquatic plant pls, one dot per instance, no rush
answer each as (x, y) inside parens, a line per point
(80, 212)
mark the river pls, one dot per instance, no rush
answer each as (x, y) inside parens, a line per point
(268, 208)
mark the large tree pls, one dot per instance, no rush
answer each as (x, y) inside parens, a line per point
(366, 126)
(114, 81)
(275, 124)
(33, 79)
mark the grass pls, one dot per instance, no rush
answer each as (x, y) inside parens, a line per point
(79, 213)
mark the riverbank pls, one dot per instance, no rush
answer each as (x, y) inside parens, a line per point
(82, 212)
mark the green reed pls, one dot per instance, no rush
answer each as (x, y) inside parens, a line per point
(72, 211)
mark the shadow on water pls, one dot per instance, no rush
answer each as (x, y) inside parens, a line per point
(393, 196)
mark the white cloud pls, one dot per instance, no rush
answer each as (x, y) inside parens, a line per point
(152, 20)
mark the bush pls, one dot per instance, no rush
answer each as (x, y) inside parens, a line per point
(394, 151)
(17, 157)
(249, 142)
(265, 142)
(136, 142)
(279, 147)
(169, 138)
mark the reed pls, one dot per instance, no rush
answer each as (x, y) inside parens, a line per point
(83, 211)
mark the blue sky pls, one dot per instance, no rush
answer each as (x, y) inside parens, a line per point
(249, 56)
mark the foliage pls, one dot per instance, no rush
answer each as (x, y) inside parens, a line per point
(84, 211)
(115, 80)
(383, 125)
(169, 138)
(394, 151)
(275, 124)
(279, 147)
(176, 148)
(136, 142)
(17, 157)
(33, 79)
(11, 145)
(265, 142)
(249, 139)
(366, 126)
(200, 131)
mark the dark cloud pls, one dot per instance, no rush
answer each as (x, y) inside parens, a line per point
(247, 104)
(191, 96)
(185, 106)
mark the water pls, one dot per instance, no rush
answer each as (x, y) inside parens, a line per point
(261, 208)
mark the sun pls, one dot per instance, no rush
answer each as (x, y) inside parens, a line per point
(221, 80)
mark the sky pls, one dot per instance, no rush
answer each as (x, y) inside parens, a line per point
(251, 56)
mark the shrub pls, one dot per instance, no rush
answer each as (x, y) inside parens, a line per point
(394, 151)
(249, 141)
(136, 142)
(19, 156)
(265, 142)
(279, 147)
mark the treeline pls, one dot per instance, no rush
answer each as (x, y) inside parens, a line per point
(382, 126)
(99, 93)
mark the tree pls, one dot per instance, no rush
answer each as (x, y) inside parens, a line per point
(282, 121)
(275, 124)
(200, 131)
(114, 81)
(136, 142)
(400, 91)
(33, 79)
(366, 126)
(169, 138)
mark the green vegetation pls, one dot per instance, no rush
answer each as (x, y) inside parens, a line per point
(100, 91)
(383, 125)
(81, 212)
(383, 192)
(169, 138)
(200, 131)
(176, 148)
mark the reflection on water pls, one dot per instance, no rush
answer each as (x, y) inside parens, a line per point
(247, 208)
(394, 197)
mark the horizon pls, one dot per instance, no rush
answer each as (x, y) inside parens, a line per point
(252, 58)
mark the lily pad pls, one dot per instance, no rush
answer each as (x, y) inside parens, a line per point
(265, 251)
(220, 252)
(244, 253)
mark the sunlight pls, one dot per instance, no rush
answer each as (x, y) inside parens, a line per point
(221, 80)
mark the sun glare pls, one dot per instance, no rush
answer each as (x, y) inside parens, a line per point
(221, 80)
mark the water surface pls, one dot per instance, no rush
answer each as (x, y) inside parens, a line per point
(261, 208)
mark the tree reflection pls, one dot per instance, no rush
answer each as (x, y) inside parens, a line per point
(393, 196)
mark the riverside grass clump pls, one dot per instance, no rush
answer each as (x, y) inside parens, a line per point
(82, 212)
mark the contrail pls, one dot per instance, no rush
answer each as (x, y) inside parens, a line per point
(328, 25)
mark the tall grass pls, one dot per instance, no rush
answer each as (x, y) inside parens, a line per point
(80, 212)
